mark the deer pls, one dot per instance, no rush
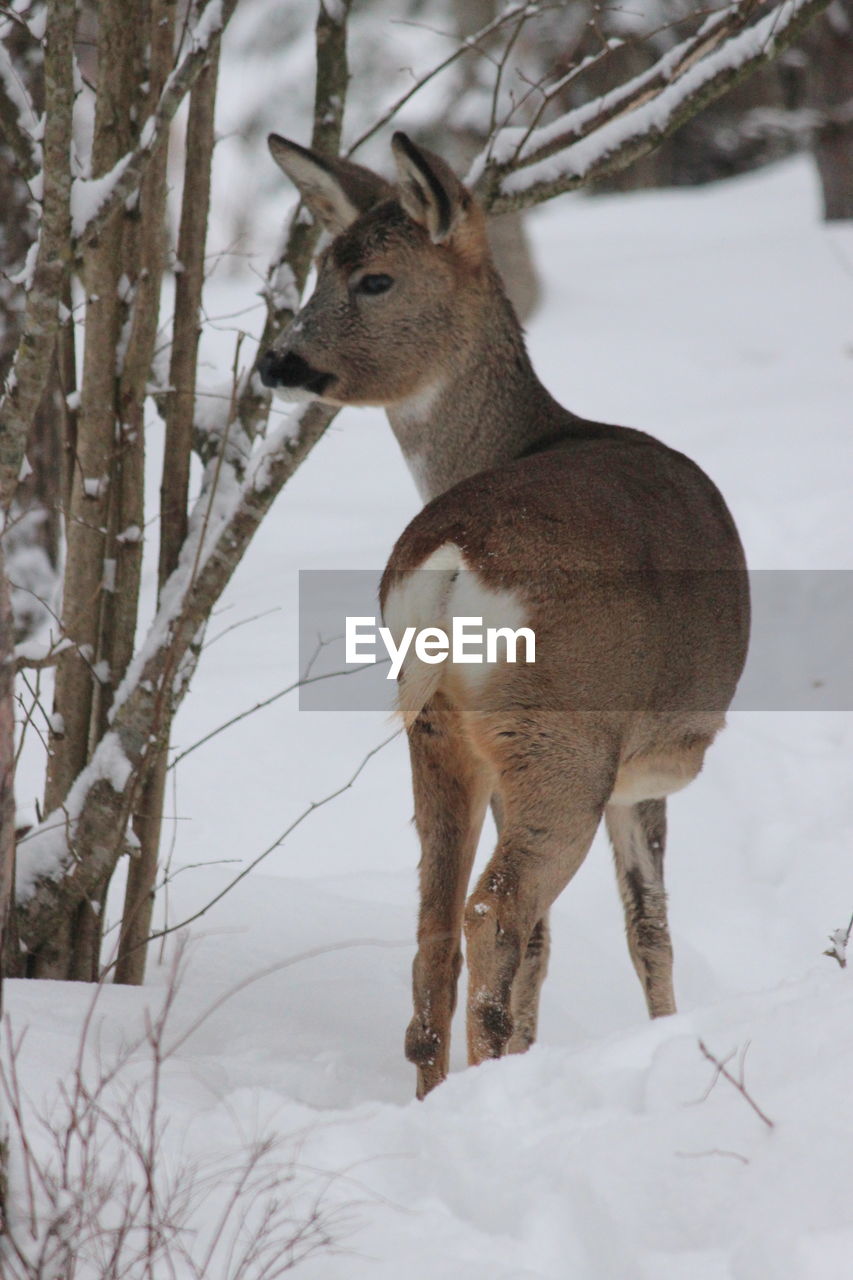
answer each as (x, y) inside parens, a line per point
(615, 549)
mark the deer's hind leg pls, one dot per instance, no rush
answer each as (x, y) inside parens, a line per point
(527, 984)
(638, 835)
(452, 785)
(527, 987)
(552, 796)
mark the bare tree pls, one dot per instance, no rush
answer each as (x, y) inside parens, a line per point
(829, 47)
(113, 706)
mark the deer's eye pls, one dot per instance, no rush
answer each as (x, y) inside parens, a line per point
(374, 284)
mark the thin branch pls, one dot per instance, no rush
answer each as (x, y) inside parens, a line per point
(288, 272)
(718, 27)
(301, 683)
(721, 1069)
(714, 1151)
(615, 100)
(605, 136)
(501, 68)
(243, 622)
(306, 813)
(35, 705)
(39, 662)
(469, 44)
(839, 939)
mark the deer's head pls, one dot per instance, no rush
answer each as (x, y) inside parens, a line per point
(397, 286)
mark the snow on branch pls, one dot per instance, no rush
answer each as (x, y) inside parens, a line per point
(520, 167)
(94, 201)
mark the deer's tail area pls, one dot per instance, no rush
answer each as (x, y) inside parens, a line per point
(441, 591)
(421, 598)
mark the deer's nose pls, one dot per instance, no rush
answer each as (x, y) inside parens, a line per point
(287, 369)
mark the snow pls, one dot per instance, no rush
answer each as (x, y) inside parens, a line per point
(335, 10)
(95, 486)
(208, 25)
(27, 273)
(88, 194)
(719, 319)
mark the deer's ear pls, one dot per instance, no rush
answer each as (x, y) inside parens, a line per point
(336, 191)
(429, 190)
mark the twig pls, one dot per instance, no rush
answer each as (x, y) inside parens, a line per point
(99, 1196)
(839, 938)
(306, 813)
(35, 695)
(267, 702)
(724, 51)
(714, 1151)
(301, 238)
(27, 662)
(574, 71)
(501, 68)
(468, 45)
(244, 622)
(721, 1069)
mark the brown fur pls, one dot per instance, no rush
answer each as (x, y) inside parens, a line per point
(623, 558)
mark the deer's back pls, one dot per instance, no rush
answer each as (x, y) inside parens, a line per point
(597, 498)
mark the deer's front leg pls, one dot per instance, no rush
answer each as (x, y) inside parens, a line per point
(451, 788)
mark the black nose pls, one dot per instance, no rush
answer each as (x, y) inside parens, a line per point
(290, 370)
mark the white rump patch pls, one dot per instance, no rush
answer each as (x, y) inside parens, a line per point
(441, 589)
(471, 598)
(419, 600)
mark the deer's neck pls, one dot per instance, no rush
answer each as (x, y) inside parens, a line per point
(484, 408)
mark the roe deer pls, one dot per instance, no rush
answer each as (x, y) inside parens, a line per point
(615, 549)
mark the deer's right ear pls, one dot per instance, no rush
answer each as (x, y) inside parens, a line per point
(430, 192)
(336, 191)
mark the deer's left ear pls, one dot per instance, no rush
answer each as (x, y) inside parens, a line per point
(429, 190)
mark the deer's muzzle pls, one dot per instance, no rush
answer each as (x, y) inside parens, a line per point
(286, 369)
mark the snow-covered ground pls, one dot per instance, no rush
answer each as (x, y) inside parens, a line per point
(720, 320)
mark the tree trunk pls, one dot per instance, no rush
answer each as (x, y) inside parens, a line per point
(174, 494)
(122, 274)
(829, 46)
